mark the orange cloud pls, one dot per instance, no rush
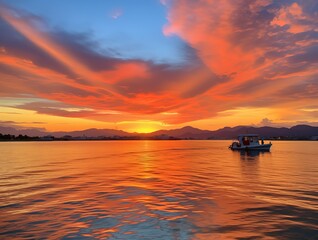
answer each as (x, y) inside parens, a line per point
(241, 55)
(124, 71)
(211, 32)
(236, 40)
(292, 16)
(48, 45)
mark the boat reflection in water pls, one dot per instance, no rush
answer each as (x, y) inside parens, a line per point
(252, 154)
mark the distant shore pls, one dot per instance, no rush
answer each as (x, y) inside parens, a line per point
(25, 138)
(298, 132)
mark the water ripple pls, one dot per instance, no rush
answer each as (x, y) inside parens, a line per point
(158, 190)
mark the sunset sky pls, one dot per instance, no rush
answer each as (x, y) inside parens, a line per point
(149, 64)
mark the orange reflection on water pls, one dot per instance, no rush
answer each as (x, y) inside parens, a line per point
(154, 189)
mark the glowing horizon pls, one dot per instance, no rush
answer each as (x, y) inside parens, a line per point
(67, 66)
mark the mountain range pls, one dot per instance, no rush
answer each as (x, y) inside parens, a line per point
(296, 132)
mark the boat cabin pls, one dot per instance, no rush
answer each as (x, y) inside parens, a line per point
(248, 139)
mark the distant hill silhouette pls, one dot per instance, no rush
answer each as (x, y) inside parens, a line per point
(185, 132)
(299, 131)
(29, 132)
(296, 132)
(92, 132)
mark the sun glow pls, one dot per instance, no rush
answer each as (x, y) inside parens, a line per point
(145, 129)
(140, 126)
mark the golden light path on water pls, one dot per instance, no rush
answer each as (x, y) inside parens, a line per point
(157, 190)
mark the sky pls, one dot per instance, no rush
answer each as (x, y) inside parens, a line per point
(145, 65)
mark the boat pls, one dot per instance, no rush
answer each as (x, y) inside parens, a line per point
(250, 142)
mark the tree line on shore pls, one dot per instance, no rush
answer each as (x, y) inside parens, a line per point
(20, 137)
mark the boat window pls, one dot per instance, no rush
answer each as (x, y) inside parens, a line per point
(246, 140)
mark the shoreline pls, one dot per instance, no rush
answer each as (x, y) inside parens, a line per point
(143, 139)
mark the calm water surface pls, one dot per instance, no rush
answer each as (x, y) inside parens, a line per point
(157, 190)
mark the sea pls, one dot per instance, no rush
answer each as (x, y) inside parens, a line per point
(181, 189)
